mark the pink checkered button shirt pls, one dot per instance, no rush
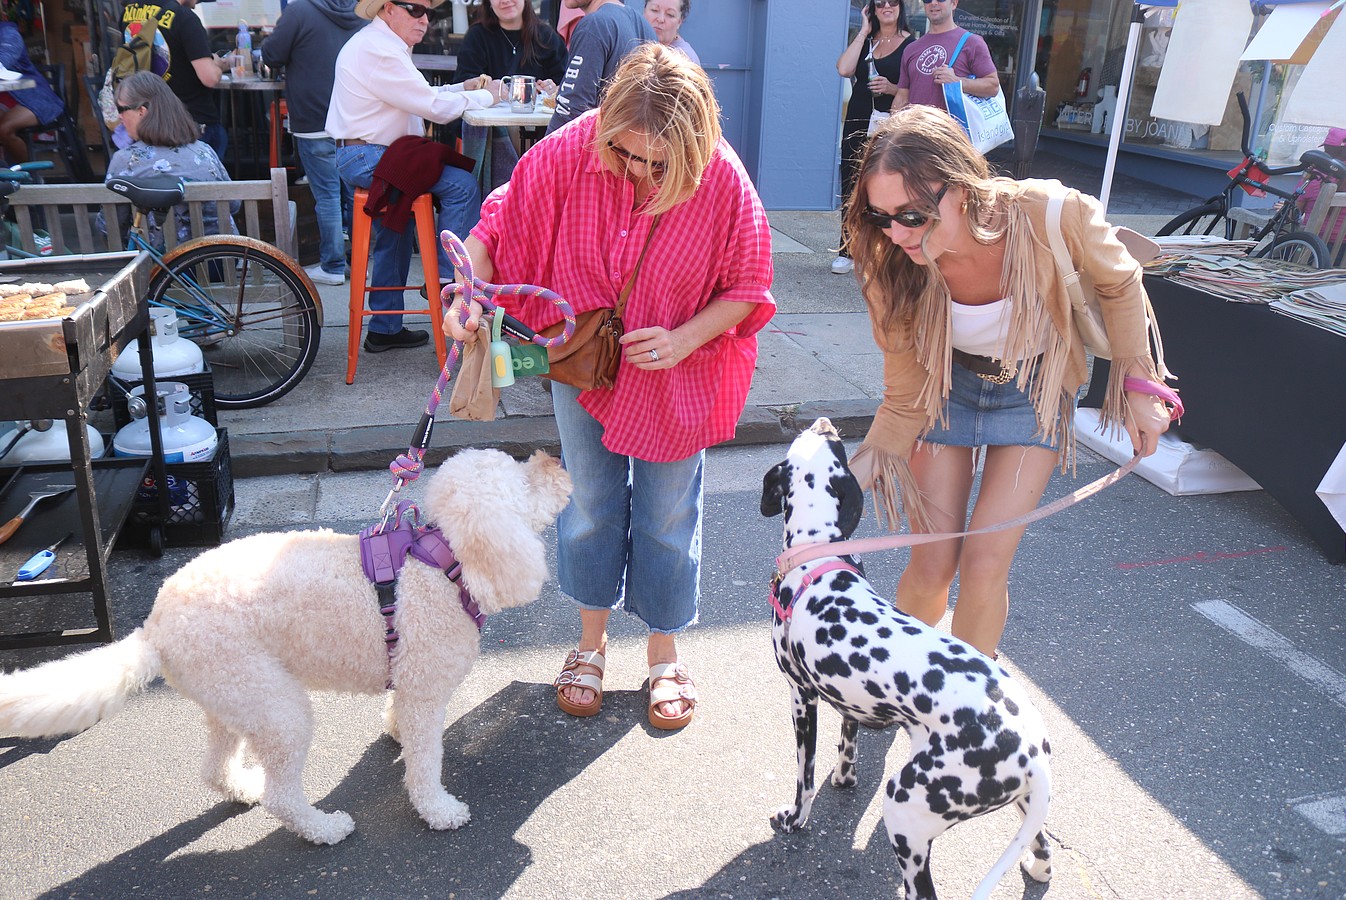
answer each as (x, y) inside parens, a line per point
(565, 222)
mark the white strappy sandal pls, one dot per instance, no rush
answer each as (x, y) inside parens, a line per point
(571, 677)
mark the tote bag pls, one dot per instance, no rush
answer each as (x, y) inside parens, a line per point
(983, 118)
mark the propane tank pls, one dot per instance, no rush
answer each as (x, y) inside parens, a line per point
(173, 356)
(46, 443)
(186, 438)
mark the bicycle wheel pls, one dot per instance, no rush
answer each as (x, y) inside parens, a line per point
(1302, 247)
(252, 309)
(1208, 218)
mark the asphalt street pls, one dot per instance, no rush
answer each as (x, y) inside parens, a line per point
(1187, 761)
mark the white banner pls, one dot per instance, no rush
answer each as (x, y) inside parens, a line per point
(1318, 98)
(1202, 60)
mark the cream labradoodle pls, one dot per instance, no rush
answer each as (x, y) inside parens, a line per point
(247, 629)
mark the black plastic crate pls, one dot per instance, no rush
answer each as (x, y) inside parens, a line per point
(201, 500)
(201, 385)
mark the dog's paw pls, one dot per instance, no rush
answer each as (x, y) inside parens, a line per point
(1037, 869)
(844, 777)
(445, 813)
(245, 784)
(326, 828)
(788, 819)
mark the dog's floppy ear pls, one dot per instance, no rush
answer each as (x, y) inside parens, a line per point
(850, 498)
(774, 485)
(850, 503)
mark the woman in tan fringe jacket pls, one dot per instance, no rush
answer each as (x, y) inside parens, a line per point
(980, 354)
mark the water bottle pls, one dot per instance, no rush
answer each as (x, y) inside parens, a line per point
(243, 52)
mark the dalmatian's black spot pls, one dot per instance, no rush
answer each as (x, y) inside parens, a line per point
(859, 640)
(1011, 707)
(933, 680)
(912, 630)
(923, 703)
(884, 632)
(880, 654)
(833, 665)
(859, 662)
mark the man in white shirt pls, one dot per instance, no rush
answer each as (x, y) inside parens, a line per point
(378, 97)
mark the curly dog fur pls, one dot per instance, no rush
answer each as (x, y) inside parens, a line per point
(247, 629)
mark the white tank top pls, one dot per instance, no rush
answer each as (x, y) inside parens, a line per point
(981, 330)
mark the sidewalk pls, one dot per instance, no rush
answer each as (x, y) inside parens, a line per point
(817, 357)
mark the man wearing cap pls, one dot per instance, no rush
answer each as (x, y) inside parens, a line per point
(379, 96)
(192, 69)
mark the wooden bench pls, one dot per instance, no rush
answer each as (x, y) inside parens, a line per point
(68, 213)
(1328, 216)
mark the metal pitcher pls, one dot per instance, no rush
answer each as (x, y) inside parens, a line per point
(521, 91)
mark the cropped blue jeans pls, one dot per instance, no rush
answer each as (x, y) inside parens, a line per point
(631, 536)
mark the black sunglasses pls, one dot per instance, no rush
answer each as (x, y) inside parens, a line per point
(880, 3)
(907, 218)
(126, 109)
(653, 165)
(415, 10)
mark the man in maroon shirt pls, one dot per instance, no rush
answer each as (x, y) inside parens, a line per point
(925, 63)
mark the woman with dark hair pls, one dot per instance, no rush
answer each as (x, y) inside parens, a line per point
(166, 141)
(982, 360)
(872, 61)
(34, 106)
(508, 38)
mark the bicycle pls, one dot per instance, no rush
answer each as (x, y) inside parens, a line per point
(1280, 238)
(252, 309)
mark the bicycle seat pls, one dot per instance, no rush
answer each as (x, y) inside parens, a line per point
(1330, 168)
(151, 192)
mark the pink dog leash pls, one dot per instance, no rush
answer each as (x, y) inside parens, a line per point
(795, 556)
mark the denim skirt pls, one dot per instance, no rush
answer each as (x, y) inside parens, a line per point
(981, 413)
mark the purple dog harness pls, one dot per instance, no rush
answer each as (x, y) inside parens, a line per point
(383, 551)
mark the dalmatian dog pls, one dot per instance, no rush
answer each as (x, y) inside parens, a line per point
(977, 743)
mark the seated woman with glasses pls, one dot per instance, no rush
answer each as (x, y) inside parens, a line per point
(982, 360)
(166, 141)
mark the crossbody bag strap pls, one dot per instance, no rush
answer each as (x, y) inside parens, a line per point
(631, 282)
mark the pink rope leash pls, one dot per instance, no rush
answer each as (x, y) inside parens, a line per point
(408, 466)
(799, 554)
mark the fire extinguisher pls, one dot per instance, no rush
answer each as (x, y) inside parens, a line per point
(1082, 88)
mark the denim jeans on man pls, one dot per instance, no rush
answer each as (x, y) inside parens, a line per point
(318, 157)
(459, 209)
(631, 534)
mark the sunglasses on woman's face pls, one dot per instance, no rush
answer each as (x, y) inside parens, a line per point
(907, 218)
(656, 167)
(878, 4)
(121, 110)
(415, 10)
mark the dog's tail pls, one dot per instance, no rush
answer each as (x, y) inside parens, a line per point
(69, 695)
(1039, 777)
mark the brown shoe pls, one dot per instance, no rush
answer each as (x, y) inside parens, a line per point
(669, 682)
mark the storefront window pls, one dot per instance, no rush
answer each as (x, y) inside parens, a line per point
(1081, 48)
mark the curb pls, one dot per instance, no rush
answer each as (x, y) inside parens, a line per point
(373, 447)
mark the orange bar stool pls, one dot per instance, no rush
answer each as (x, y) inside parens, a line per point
(423, 209)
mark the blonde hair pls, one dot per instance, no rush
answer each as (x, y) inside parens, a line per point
(661, 93)
(928, 148)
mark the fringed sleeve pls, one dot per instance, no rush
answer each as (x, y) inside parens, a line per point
(1117, 280)
(881, 462)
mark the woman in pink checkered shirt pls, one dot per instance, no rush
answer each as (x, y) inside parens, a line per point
(578, 212)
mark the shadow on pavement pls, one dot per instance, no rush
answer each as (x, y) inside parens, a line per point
(500, 758)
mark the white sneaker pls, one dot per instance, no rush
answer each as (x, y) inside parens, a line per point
(320, 276)
(842, 265)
